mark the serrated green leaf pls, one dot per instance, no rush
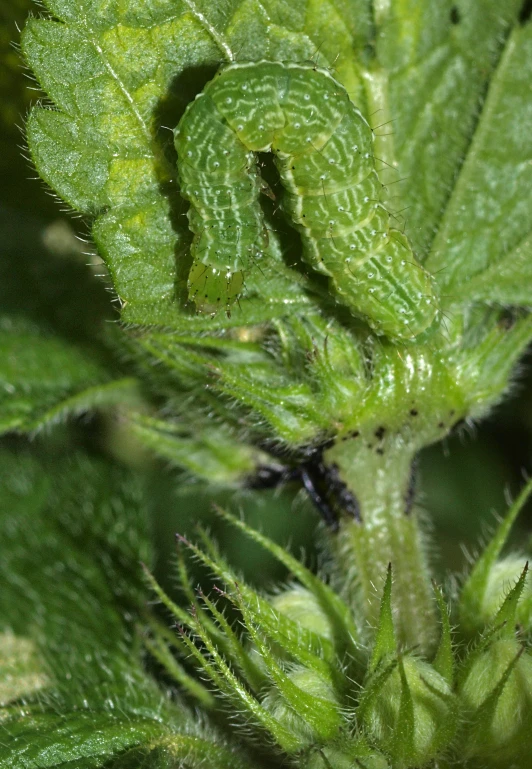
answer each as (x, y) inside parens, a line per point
(488, 213)
(55, 550)
(506, 281)
(43, 379)
(194, 749)
(488, 367)
(38, 741)
(436, 59)
(71, 582)
(405, 52)
(103, 149)
(120, 75)
(84, 173)
(442, 56)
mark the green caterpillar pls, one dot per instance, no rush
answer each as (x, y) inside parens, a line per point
(323, 151)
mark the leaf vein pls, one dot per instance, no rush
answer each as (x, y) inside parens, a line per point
(126, 94)
(213, 32)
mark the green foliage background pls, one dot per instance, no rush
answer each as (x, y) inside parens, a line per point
(55, 309)
(48, 276)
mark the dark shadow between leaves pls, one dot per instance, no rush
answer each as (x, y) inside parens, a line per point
(169, 111)
(526, 12)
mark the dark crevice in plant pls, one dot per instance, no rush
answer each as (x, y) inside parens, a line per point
(455, 15)
(526, 12)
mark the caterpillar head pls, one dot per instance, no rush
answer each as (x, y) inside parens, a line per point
(213, 289)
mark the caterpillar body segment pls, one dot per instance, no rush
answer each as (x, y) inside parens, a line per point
(323, 150)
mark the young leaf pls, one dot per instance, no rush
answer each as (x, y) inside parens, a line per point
(473, 591)
(506, 616)
(320, 713)
(438, 54)
(282, 646)
(237, 693)
(402, 748)
(385, 645)
(235, 649)
(205, 450)
(444, 659)
(345, 631)
(160, 651)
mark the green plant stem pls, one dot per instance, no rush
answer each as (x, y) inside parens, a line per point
(388, 532)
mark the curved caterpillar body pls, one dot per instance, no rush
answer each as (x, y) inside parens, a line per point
(323, 151)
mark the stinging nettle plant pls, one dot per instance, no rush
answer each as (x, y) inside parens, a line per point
(321, 319)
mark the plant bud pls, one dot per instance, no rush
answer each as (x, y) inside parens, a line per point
(502, 577)
(497, 698)
(302, 606)
(347, 754)
(412, 716)
(313, 686)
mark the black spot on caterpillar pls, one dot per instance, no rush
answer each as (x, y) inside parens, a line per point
(323, 151)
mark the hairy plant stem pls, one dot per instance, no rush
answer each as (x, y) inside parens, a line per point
(380, 477)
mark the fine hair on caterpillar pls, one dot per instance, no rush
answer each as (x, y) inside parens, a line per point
(322, 147)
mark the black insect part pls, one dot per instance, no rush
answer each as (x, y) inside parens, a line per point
(272, 476)
(327, 490)
(319, 501)
(322, 483)
(344, 499)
